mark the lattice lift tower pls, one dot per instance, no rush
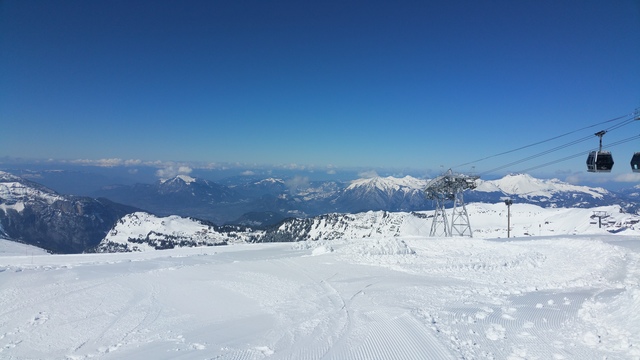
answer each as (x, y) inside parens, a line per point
(449, 187)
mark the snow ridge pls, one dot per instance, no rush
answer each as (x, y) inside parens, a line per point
(389, 184)
(17, 191)
(141, 231)
(525, 185)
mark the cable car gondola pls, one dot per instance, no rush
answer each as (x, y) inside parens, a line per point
(601, 161)
(635, 162)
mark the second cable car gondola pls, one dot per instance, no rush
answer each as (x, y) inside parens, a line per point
(635, 162)
(635, 159)
(600, 161)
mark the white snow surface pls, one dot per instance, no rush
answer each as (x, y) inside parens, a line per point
(403, 297)
(8, 247)
(563, 288)
(413, 297)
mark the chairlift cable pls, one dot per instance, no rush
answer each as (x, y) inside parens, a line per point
(553, 138)
(579, 154)
(626, 121)
(560, 147)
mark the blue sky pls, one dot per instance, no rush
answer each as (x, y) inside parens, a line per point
(380, 84)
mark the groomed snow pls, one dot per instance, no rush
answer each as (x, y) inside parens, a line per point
(412, 297)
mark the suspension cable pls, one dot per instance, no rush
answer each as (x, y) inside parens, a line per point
(579, 154)
(627, 121)
(560, 147)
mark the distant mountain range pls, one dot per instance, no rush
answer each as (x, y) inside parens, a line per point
(181, 195)
(523, 188)
(263, 202)
(285, 210)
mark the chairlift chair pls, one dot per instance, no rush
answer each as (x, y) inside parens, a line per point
(601, 161)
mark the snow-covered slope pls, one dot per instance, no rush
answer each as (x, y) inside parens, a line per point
(335, 226)
(141, 231)
(16, 191)
(487, 220)
(490, 220)
(410, 298)
(12, 248)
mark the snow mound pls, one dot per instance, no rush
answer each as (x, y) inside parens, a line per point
(384, 246)
(316, 247)
(320, 250)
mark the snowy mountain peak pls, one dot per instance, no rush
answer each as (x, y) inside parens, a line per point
(269, 181)
(388, 183)
(179, 178)
(525, 185)
(187, 179)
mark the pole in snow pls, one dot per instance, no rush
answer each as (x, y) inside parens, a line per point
(508, 202)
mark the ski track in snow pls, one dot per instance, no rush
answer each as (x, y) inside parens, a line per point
(390, 298)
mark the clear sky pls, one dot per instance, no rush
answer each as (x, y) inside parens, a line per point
(413, 84)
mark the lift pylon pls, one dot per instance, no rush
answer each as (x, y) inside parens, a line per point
(449, 187)
(439, 224)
